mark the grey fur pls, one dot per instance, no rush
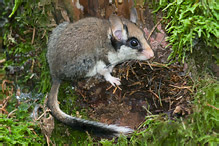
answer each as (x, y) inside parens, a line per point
(75, 48)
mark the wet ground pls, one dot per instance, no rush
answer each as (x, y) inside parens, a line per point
(145, 90)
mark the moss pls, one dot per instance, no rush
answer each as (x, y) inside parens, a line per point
(190, 23)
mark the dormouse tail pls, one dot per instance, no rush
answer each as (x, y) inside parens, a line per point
(96, 128)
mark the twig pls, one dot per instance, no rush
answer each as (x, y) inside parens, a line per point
(154, 102)
(3, 83)
(139, 63)
(150, 65)
(47, 140)
(34, 132)
(12, 112)
(184, 87)
(153, 29)
(48, 110)
(134, 73)
(44, 33)
(2, 61)
(81, 94)
(147, 110)
(135, 83)
(159, 93)
(154, 94)
(127, 73)
(114, 91)
(179, 97)
(33, 36)
(119, 88)
(156, 64)
(133, 92)
(212, 106)
(124, 95)
(5, 101)
(109, 87)
(2, 110)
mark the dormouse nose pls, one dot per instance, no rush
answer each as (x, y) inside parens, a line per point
(150, 53)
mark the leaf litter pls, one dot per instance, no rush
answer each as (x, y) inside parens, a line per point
(143, 92)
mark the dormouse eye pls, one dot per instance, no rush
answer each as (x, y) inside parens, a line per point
(133, 42)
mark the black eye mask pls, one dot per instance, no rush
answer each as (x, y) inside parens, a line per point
(132, 42)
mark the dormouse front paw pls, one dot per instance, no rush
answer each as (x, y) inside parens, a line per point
(114, 81)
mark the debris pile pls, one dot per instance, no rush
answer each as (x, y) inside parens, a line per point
(146, 89)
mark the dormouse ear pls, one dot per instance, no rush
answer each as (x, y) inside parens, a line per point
(133, 15)
(117, 28)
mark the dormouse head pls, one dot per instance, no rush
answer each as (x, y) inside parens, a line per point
(128, 40)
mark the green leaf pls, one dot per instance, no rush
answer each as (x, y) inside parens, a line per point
(16, 5)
